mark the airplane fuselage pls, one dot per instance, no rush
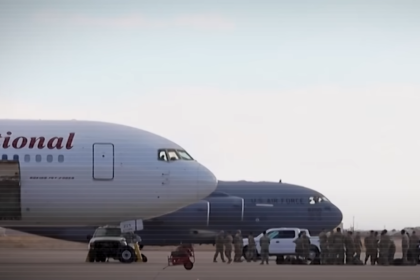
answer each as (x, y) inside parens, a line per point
(248, 206)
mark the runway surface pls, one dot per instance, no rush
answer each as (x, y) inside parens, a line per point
(65, 265)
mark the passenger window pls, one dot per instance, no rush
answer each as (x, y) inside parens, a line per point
(172, 155)
(27, 158)
(16, 157)
(60, 158)
(162, 155)
(49, 158)
(38, 158)
(286, 234)
(184, 155)
(4, 157)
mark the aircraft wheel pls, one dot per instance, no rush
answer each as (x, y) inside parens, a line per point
(127, 254)
(144, 258)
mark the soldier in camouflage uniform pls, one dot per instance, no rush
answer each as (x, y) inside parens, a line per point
(299, 246)
(370, 248)
(323, 242)
(220, 240)
(238, 244)
(330, 243)
(392, 250)
(349, 243)
(376, 243)
(384, 245)
(414, 243)
(228, 247)
(265, 246)
(252, 248)
(338, 244)
(306, 242)
(358, 245)
(404, 246)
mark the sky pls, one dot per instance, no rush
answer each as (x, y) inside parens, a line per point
(323, 94)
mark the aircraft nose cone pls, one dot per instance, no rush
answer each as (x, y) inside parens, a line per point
(338, 215)
(207, 182)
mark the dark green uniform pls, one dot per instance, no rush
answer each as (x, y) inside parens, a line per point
(220, 240)
(370, 246)
(414, 243)
(338, 245)
(323, 242)
(358, 245)
(404, 247)
(392, 250)
(238, 245)
(349, 243)
(228, 247)
(350, 248)
(331, 252)
(252, 249)
(384, 246)
(265, 247)
(299, 247)
(306, 246)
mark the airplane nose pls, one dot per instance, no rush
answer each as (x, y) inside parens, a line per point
(207, 182)
(338, 215)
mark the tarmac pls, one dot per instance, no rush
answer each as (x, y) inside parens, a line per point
(37, 264)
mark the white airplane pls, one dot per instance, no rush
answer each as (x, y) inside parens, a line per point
(70, 173)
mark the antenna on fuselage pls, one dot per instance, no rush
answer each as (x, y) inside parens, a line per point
(280, 181)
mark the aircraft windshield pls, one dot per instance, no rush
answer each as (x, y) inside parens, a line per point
(317, 199)
(172, 155)
(184, 155)
(105, 232)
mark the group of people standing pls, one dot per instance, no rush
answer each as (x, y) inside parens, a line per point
(336, 247)
(225, 243)
(339, 248)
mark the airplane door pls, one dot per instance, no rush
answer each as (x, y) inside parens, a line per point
(10, 192)
(103, 161)
(164, 170)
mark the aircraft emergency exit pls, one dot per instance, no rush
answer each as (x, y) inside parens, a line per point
(92, 173)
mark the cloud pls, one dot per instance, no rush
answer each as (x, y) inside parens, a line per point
(139, 21)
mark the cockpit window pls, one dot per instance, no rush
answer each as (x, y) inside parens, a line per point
(317, 199)
(172, 155)
(184, 155)
(162, 155)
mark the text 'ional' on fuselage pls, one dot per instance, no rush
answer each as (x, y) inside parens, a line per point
(20, 142)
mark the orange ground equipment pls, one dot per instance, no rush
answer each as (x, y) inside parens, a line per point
(183, 255)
